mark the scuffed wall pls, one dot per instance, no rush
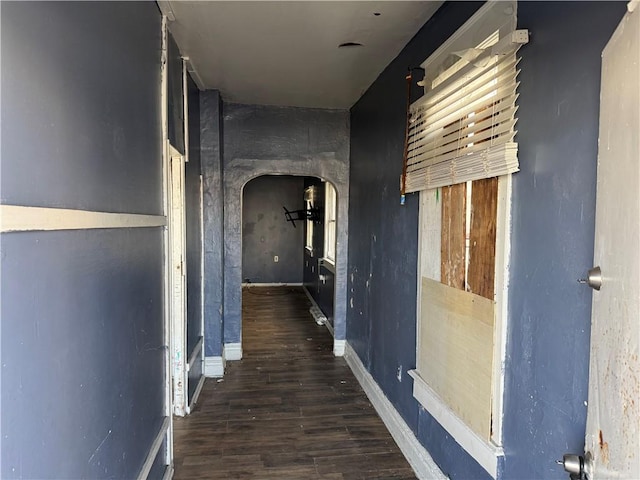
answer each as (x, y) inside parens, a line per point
(83, 372)
(266, 233)
(552, 237)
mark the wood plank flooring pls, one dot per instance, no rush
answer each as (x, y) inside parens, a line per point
(288, 410)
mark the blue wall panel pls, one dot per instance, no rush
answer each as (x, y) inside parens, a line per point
(553, 228)
(193, 221)
(82, 352)
(383, 238)
(552, 243)
(80, 106)
(82, 311)
(212, 204)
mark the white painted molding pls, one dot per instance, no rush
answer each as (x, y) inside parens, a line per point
(330, 328)
(164, 104)
(250, 284)
(168, 473)
(484, 452)
(196, 394)
(166, 10)
(214, 367)
(16, 218)
(310, 297)
(155, 448)
(501, 297)
(418, 457)
(232, 351)
(316, 311)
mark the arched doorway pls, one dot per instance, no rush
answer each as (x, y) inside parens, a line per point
(237, 175)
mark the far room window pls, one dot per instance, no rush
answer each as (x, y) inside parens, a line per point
(309, 195)
(461, 154)
(330, 223)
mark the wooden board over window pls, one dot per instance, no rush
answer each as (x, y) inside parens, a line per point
(456, 351)
(482, 238)
(468, 236)
(452, 244)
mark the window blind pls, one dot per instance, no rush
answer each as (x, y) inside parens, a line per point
(463, 128)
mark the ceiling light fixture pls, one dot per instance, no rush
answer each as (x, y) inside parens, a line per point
(349, 45)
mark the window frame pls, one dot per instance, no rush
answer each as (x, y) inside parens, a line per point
(429, 264)
(309, 195)
(485, 451)
(330, 223)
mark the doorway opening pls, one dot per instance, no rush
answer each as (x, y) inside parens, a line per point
(289, 239)
(185, 314)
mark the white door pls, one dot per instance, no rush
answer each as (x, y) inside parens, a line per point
(612, 443)
(177, 282)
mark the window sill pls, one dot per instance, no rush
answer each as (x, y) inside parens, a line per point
(484, 452)
(328, 264)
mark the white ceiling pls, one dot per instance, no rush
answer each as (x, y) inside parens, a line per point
(286, 52)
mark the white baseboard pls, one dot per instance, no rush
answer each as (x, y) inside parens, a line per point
(251, 284)
(232, 351)
(330, 328)
(214, 367)
(316, 311)
(338, 345)
(155, 448)
(417, 456)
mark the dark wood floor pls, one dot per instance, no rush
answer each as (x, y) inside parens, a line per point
(288, 410)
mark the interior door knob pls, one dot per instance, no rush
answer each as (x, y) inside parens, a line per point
(594, 278)
(574, 465)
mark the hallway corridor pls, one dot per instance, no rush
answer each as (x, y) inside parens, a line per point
(288, 410)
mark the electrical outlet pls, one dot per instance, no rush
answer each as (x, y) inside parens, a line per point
(276, 259)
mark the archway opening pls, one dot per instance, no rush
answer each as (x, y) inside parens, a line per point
(289, 226)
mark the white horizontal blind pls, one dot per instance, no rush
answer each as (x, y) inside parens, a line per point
(463, 128)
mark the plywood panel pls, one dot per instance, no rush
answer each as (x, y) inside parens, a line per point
(452, 247)
(456, 351)
(482, 238)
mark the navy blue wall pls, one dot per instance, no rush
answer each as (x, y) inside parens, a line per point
(193, 231)
(553, 228)
(265, 231)
(82, 352)
(193, 213)
(553, 211)
(212, 204)
(82, 311)
(383, 239)
(86, 113)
